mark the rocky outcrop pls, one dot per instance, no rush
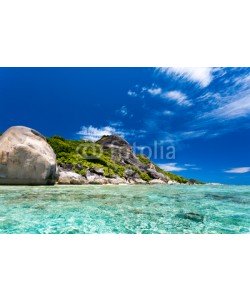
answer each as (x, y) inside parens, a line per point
(157, 181)
(138, 181)
(156, 175)
(94, 178)
(123, 154)
(117, 180)
(171, 182)
(69, 177)
(121, 150)
(26, 158)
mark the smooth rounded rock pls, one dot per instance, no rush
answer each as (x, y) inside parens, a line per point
(26, 158)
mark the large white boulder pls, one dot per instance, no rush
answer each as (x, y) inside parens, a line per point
(26, 158)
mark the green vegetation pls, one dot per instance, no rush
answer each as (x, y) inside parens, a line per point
(80, 156)
(144, 159)
(145, 176)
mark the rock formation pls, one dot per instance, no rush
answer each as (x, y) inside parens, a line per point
(68, 177)
(126, 167)
(121, 150)
(26, 158)
(123, 153)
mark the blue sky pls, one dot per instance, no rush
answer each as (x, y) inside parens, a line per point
(204, 113)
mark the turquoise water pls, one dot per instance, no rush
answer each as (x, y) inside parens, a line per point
(125, 209)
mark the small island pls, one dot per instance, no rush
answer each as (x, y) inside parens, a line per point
(28, 158)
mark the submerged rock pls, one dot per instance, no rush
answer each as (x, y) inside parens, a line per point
(194, 217)
(26, 158)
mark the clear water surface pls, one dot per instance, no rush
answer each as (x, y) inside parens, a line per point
(125, 209)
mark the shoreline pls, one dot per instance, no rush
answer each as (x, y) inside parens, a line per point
(103, 184)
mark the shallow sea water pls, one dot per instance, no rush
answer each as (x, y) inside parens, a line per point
(125, 209)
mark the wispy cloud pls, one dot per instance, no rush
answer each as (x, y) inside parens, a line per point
(240, 170)
(192, 134)
(142, 91)
(174, 167)
(189, 165)
(132, 93)
(154, 91)
(202, 76)
(192, 167)
(244, 80)
(239, 107)
(171, 167)
(177, 96)
(168, 113)
(124, 111)
(203, 112)
(116, 123)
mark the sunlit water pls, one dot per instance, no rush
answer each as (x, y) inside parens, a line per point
(125, 209)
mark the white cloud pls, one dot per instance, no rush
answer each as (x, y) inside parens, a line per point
(132, 93)
(235, 109)
(189, 165)
(243, 80)
(202, 76)
(240, 170)
(141, 92)
(192, 167)
(124, 111)
(192, 134)
(171, 167)
(167, 113)
(93, 134)
(116, 123)
(178, 96)
(154, 91)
